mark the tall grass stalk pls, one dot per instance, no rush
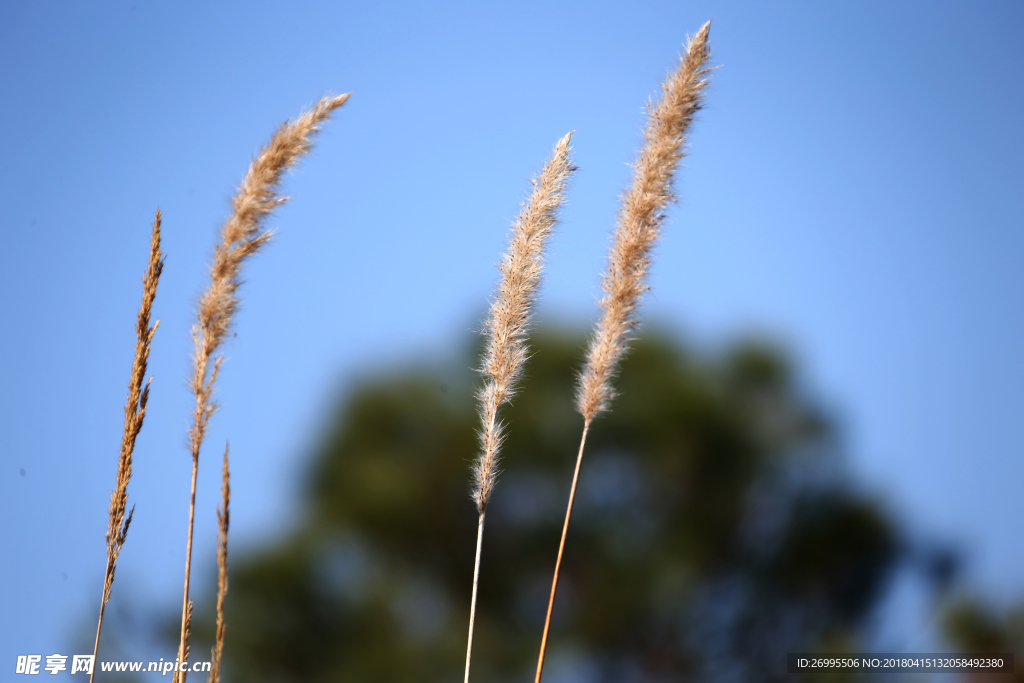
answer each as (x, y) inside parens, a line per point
(134, 414)
(639, 223)
(507, 327)
(222, 569)
(241, 237)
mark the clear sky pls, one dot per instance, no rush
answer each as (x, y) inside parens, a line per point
(855, 190)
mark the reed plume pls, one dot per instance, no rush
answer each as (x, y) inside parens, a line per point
(506, 328)
(639, 222)
(241, 237)
(222, 569)
(134, 414)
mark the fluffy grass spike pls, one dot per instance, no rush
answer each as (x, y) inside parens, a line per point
(241, 237)
(639, 223)
(640, 218)
(134, 414)
(507, 327)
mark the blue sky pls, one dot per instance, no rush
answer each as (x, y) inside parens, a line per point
(854, 190)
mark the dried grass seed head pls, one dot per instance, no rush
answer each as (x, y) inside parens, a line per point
(242, 235)
(639, 223)
(511, 309)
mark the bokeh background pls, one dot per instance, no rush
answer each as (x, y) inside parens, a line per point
(846, 250)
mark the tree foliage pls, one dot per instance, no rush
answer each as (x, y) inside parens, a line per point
(712, 532)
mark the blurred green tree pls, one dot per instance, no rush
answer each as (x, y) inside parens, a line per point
(973, 625)
(713, 532)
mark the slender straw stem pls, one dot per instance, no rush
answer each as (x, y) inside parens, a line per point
(96, 645)
(476, 581)
(183, 642)
(217, 654)
(561, 548)
(103, 606)
(103, 603)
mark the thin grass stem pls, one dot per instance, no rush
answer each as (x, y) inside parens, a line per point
(217, 653)
(561, 549)
(476, 582)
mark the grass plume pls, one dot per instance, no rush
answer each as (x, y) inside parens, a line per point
(242, 235)
(222, 569)
(640, 219)
(639, 223)
(507, 327)
(134, 414)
